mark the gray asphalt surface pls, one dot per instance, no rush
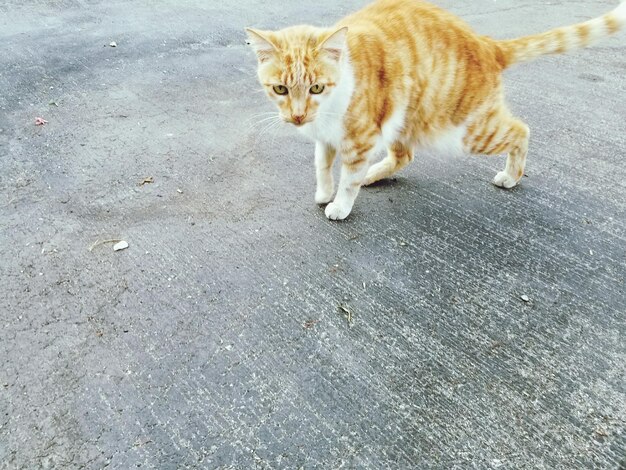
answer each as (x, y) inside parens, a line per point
(221, 337)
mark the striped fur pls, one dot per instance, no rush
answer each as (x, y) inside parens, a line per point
(402, 75)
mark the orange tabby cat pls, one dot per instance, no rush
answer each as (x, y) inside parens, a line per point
(402, 74)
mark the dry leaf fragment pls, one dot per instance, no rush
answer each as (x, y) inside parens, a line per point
(102, 242)
(601, 432)
(146, 180)
(310, 323)
(347, 311)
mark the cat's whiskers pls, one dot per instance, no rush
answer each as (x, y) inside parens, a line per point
(256, 116)
(266, 118)
(272, 130)
(263, 113)
(266, 130)
(270, 124)
(263, 121)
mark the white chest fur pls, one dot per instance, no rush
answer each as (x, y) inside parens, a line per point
(328, 125)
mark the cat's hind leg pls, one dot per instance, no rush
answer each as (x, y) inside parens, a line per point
(515, 160)
(498, 133)
(398, 156)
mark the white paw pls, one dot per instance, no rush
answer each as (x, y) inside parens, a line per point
(503, 180)
(323, 197)
(336, 212)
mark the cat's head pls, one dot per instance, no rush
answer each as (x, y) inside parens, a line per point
(299, 68)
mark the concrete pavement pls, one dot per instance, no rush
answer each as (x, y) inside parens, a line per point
(241, 329)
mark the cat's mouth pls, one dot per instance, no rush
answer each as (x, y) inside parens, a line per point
(299, 123)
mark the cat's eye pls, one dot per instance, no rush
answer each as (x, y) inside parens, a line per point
(317, 89)
(280, 89)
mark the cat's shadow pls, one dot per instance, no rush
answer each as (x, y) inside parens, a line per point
(384, 183)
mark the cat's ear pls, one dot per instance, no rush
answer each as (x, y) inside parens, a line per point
(261, 44)
(335, 44)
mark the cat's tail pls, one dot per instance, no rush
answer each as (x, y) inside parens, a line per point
(560, 40)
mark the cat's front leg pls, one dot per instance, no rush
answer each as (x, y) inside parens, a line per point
(324, 158)
(353, 170)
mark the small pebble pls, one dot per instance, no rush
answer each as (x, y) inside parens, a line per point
(113, 44)
(120, 245)
(525, 298)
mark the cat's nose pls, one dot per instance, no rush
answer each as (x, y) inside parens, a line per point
(298, 118)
